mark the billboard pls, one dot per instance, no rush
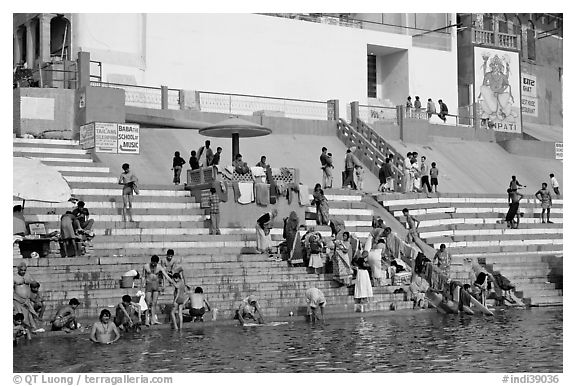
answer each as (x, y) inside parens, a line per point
(128, 138)
(497, 88)
(106, 137)
(87, 140)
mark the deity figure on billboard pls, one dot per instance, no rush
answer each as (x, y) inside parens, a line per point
(496, 97)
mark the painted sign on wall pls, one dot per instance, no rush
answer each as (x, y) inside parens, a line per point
(106, 137)
(37, 108)
(559, 150)
(529, 95)
(497, 87)
(128, 138)
(87, 138)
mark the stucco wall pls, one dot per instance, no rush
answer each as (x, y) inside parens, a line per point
(253, 54)
(547, 69)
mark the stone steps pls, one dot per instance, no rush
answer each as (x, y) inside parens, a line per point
(503, 232)
(496, 238)
(34, 142)
(503, 246)
(397, 201)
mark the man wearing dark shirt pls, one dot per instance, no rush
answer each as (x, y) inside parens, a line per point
(82, 214)
(216, 158)
(386, 175)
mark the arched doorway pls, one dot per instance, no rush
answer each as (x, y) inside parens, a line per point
(60, 38)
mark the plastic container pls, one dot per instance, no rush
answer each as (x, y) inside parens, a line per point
(127, 282)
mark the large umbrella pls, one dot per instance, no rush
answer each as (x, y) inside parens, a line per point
(235, 128)
(32, 180)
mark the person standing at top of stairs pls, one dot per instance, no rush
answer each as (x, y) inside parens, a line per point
(130, 186)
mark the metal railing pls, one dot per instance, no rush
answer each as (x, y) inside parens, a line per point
(256, 104)
(373, 156)
(144, 96)
(48, 75)
(465, 116)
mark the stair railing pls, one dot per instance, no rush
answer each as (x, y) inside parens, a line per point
(371, 149)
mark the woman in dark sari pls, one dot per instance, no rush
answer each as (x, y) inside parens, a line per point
(293, 243)
(321, 203)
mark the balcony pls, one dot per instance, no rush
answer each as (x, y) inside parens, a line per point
(495, 39)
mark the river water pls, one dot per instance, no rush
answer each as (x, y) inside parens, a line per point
(423, 341)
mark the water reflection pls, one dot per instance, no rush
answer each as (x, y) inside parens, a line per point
(512, 341)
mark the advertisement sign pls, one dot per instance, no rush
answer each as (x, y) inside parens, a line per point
(497, 87)
(529, 88)
(87, 140)
(128, 138)
(530, 106)
(529, 95)
(559, 150)
(106, 137)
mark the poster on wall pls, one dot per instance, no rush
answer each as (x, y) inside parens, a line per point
(529, 95)
(87, 140)
(128, 138)
(106, 137)
(496, 81)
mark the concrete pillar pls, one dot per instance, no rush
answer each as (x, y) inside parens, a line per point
(17, 46)
(333, 109)
(29, 44)
(83, 70)
(182, 99)
(354, 114)
(44, 25)
(164, 97)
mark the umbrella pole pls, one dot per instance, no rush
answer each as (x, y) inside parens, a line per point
(23, 202)
(235, 145)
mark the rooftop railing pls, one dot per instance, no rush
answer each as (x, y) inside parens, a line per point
(492, 38)
(372, 114)
(144, 96)
(254, 104)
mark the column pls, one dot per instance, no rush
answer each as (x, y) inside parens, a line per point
(83, 65)
(164, 97)
(354, 114)
(29, 44)
(44, 25)
(17, 46)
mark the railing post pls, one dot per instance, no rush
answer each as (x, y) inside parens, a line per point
(182, 99)
(164, 97)
(400, 119)
(83, 70)
(333, 109)
(354, 114)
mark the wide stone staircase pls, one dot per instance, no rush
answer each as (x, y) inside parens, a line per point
(226, 266)
(471, 226)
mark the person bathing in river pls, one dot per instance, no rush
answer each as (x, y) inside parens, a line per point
(128, 315)
(198, 305)
(180, 298)
(248, 309)
(65, 318)
(151, 283)
(102, 330)
(315, 299)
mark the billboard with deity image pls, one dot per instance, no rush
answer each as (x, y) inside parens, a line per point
(497, 88)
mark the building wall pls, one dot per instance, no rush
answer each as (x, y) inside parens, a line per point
(251, 54)
(38, 110)
(547, 68)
